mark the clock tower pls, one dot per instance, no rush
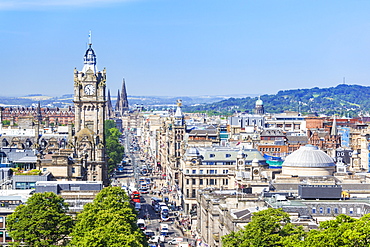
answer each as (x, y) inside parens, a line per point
(89, 101)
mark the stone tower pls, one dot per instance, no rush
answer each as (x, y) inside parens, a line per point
(124, 97)
(90, 106)
(179, 132)
(122, 102)
(109, 110)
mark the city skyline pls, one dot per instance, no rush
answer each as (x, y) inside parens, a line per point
(173, 48)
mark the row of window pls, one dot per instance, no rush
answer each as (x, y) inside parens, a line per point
(270, 149)
(213, 155)
(335, 211)
(211, 171)
(218, 163)
(211, 181)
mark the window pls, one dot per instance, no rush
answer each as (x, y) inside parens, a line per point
(350, 210)
(193, 181)
(212, 171)
(193, 193)
(225, 181)
(187, 171)
(211, 182)
(343, 210)
(187, 192)
(44, 169)
(358, 210)
(200, 171)
(194, 171)
(228, 155)
(211, 155)
(225, 171)
(7, 237)
(321, 210)
(73, 170)
(187, 181)
(314, 210)
(328, 210)
(336, 211)
(201, 181)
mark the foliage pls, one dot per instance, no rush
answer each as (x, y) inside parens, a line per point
(31, 172)
(6, 122)
(114, 149)
(343, 100)
(271, 227)
(342, 231)
(267, 228)
(108, 221)
(42, 221)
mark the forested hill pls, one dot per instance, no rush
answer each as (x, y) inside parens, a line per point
(343, 100)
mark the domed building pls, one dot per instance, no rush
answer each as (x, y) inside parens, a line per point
(308, 161)
(259, 109)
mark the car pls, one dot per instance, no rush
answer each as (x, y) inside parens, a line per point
(138, 206)
(156, 239)
(149, 234)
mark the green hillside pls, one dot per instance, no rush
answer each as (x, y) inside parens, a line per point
(343, 100)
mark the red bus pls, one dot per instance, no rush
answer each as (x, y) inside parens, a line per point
(135, 196)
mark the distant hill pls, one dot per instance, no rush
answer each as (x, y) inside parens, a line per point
(343, 100)
(152, 102)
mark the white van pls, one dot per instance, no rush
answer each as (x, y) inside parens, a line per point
(175, 241)
(141, 224)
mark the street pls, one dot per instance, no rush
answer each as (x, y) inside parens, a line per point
(129, 176)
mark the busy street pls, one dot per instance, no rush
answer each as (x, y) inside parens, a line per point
(160, 215)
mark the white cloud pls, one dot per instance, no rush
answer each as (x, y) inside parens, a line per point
(35, 4)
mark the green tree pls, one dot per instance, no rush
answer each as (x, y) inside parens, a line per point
(342, 231)
(42, 221)
(269, 227)
(109, 220)
(114, 149)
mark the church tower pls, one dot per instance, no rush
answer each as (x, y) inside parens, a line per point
(124, 100)
(109, 110)
(90, 107)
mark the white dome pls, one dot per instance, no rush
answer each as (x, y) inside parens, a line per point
(308, 156)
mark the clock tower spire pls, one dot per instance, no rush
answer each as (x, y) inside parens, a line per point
(90, 106)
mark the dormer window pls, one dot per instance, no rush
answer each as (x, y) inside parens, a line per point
(211, 155)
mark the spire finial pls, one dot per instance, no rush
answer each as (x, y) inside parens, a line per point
(90, 43)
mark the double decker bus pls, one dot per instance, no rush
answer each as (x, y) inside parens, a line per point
(135, 196)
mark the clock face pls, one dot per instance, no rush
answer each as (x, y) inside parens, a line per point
(89, 89)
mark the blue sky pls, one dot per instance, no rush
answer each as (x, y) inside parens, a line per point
(179, 48)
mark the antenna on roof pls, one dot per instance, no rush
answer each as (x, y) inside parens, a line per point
(344, 80)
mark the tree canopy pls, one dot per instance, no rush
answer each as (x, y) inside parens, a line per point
(267, 228)
(272, 227)
(108, 221)
(114, 149)
(42, 221)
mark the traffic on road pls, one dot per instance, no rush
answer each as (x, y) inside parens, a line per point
(157, 215)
